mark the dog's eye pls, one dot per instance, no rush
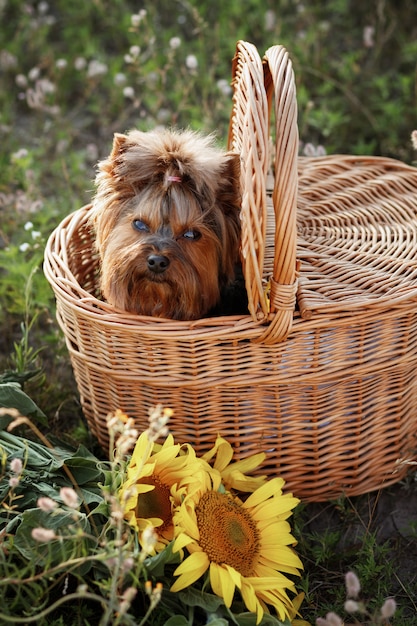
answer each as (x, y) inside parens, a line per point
(192, 235)
(140, 226)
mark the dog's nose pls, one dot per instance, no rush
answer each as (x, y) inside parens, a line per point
(157, 263)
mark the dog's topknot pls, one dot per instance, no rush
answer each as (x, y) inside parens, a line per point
(139, 158)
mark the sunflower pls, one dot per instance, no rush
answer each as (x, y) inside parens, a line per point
(242, 545)
(157, 478)
(234, 475)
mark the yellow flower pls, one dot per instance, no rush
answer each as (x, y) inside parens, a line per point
(243, 545)
(157, 478)
(234, 474)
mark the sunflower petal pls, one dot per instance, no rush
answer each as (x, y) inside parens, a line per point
(223, 452)
(274, 507)
(190, 570)
(251, 600)
(222, 583)
(271, 488)
(277, 556)
(181, 542)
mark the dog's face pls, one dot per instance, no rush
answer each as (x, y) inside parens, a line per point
(166, 215)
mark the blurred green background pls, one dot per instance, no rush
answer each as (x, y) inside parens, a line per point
(73, 73)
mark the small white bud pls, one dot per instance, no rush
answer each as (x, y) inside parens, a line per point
(353, 585)
(46, 504)
(174, 43)
(16, 466)
(69, 497)
(191, 62)
(43, 535)
(333, 619)
(351, 606)
(388, 608)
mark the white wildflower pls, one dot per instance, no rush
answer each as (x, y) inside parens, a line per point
(43, 535)
(34, 73)
(174, 43)
(91, 152)
(191, 62)
(134, 51)
(149, 539)
(333, 619)
(16, 466)
(128, 564)
(224, 86)
(270, 20)
(368, 36)
(120, 79)
(163, 115)
(353, 585)
(129, 92)
(388, 608)
(45, 86)
(21, 80)
(43, 8)
(96, 68)
(69, 497)
(158, 420)
(7, 60)
(46, 504)
(127, 599)
(22, 153)
(137, 18)
(80, 63)
(351, 606)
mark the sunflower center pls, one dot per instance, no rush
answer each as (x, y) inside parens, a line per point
(155, 503)
(228, 534)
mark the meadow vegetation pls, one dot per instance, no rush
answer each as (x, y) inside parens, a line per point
(72, 74)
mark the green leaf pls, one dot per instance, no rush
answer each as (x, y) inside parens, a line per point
(12, 397)
(177, 620)
(156, 564)
(194, 597)
(71, 531)
(44, 471)
(12, 376)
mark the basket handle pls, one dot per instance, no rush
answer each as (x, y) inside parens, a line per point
(256, 84)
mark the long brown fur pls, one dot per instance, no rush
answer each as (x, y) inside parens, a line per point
(173, 196)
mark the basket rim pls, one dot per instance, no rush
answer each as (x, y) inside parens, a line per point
(68, 290)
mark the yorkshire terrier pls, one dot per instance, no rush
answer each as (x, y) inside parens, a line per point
(167, 225)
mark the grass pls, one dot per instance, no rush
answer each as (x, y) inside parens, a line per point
(74, 73)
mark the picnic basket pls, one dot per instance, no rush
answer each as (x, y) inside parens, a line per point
(321, 374)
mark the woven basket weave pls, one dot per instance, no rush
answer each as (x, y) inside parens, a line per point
(321, 375)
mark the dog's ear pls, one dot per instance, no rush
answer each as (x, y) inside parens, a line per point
(119, 145)
(229, 202)
(109, 166)
(229, 193)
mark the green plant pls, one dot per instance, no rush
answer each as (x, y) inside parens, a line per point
(79, 532)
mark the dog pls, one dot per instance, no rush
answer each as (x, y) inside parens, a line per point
(166, 215)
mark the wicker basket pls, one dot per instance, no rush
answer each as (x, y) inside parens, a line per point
(321, 375)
